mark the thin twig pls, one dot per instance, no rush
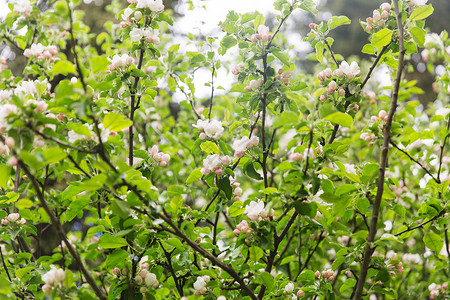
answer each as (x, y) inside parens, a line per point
(422, 224)
(415, 160)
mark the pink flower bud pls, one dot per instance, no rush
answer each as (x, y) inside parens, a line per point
(341, 92)
(369, 28)
(46, 288)
(385, 6)
(369, 20)
(376, 16)
(331, 277)
(317, 273)
(202, 136)
(9, 141)
(322, 98)
(373, 118)
(236, 231)
(384, 14)
(198, 240)
(300, 293)
(382, 114)
(219, 172)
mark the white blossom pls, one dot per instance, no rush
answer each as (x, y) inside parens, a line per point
(351, 71)
(23, 7)
(154, 5)
(209, 163)
(254, 209)
(214, 129)
(5, 95)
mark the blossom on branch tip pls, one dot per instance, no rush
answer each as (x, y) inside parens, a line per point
(156, 6)
(254, 209)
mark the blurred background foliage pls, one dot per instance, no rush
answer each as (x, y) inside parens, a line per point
(349, 40)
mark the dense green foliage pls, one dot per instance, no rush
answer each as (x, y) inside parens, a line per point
(290, 185)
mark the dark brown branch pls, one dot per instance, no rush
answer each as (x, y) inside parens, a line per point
(74, 44)
(331, 52)
(383, 160)
(169, 264)
(372, 67)
(441, 155)
(61, 233)
(226, 267)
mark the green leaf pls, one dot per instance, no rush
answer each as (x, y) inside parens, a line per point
(337, 262)
(433, 241)
(210, 147)
(75, 207)
(5, 286)
(286, 117)
(307, 275)
(53, 155)
(259, 20)
(309, 6)
(116, 122)
(319, 52)
(120, 208)
(368, 49)
(421, 12)
(236, 209)
(138, 73)
(255, 253)
(340, 118)
(268, 281)
(21, 272)
(381, 38)
(251, 172)
(418, 35)
(283, 57)
(227, 42)
(5, 171)
(338, 21)
(99, 64)
(108, 241)
(194, 176)
(63, 67)
(224, 185)
(118, 256)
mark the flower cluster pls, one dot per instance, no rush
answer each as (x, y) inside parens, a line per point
(436, 289)
(417, 2)
(368, 137)
(145, 278)
(255, 211)
(244, 144)
(398, 191)
(289, 290)
(262, 34)
(238, 69)
(200, 285)
(237, 190)
(336, 80)
(215, 163)
(325, 274)
(13, 218)
(410, 258)
(435, 50)
(156, 6)
(242, 228)
(53, 279)
(254, 84)
(41, 52)
(295, 156)
(209, 128)
(23, 7)
(284, 76)
(160, 157)
(382, 115)
(150, 35)
(120, 62)
(127, 19)
(4, 149)
(378, 19)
